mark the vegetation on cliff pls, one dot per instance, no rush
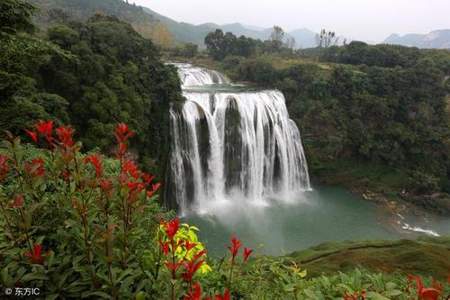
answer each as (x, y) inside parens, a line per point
(92, 75)
(372, 117)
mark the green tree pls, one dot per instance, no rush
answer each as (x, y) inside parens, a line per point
(15, 16)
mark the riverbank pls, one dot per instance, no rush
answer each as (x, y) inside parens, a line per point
(379, 184)
(426, 256)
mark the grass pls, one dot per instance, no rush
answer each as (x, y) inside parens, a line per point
(425, 256)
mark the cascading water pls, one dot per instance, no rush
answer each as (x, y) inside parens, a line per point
(196, 76)
(228, 143)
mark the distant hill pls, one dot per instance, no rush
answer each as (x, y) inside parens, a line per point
(188, 33)
(163, 30)
(304, 38)
(51, 10)
(439, 39)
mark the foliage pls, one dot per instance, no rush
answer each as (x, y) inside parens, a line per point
(55, 12)
(15, 16)
(90, 75)
(394, 117)
(188, 50)
(388, 56)
(220, 45)
(75, 225)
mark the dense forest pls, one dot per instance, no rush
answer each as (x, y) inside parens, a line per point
(367, 113)
(92, 75)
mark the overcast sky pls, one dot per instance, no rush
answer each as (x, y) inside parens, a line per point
(371, 20)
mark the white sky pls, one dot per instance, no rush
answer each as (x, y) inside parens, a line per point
(371, 20)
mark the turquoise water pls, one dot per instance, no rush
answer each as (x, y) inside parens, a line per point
(324, 214)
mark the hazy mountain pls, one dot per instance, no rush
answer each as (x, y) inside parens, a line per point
(52, 10)
(185, 32)
(304, 38)
(148, 22)
(436, 39)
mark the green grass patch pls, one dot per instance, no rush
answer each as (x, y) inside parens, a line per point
(425, 256)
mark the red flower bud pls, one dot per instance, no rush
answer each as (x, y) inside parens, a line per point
(35, 168)
(35, 255)
(65, 136)
(226, 295)
(96, 161)
(45, 128)
(18, 202)
(195, 293)
(234, 248)
(172, 228)
(246, 254)
(33, 135)
(4, 166)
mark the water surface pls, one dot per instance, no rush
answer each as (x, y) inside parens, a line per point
(322, 215)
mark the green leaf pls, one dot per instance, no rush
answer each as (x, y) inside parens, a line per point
(376, 296)
(33, 276)
(393, 293)
(90, 294)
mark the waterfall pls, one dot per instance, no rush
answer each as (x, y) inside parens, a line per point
(196, 76)
(227, 143)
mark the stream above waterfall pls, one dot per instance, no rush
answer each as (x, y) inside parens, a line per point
(237, 167)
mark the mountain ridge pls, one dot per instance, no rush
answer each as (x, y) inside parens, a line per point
(439, 39)
(167, 31)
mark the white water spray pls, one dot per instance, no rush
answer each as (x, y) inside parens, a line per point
(233, 143)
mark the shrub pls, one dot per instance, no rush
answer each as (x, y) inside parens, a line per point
(76, 225)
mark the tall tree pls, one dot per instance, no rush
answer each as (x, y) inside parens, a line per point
(277, 37)
(326, 39)
(15, 15)
(214, 42)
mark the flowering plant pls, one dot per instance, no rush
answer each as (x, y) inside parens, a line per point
(73, 224)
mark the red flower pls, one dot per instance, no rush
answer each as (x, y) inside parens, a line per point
(18, 202)
(424, 293)
(4, 166)
(195, 293)
(192, 266)
(147, 178)
(106, 186)
(188, 245)
(172, 227)
(96, 161)
(33, 135)
(122, 149)
(234, 248)
(65, 136)
(35, 168)
(36, 256)
(45, 128)
(164, 247)
(173, 267)
(135, 186)
(153, 189)
(246, 254)
(130, 167)
(134, 189)
(226, 295)
(123, 133)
